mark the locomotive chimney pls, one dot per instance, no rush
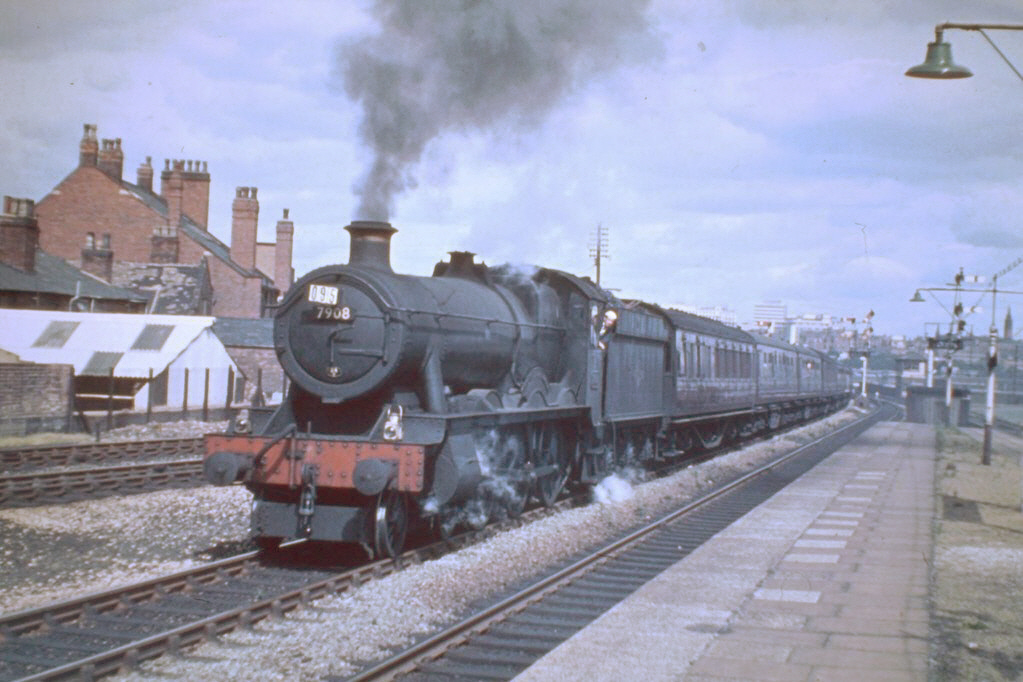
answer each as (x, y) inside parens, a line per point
(371, 244)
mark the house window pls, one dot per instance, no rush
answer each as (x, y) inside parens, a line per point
(90, 240)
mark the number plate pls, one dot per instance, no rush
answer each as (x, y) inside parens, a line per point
(338, 314)
(319, 293)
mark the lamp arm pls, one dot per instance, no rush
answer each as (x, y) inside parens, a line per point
(940, 29)
(975, 27)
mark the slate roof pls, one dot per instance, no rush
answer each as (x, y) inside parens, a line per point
(193, 230)
(171, 289)
(704, 325)
(245, 333)
(54, 275)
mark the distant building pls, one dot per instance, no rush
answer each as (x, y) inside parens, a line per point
(770, 317)
(95, 218)
(1008, 324)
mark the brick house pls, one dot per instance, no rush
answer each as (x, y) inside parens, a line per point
(32, 278)
(95, 218)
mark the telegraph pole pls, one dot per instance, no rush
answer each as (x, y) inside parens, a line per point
(598, 248)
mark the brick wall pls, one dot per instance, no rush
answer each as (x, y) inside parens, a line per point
(34, 398)
(89, 201)
(233, 294)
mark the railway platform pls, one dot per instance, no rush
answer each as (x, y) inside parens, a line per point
(827, 580)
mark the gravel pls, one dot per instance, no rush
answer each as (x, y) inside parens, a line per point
(61, 551)
(162, 430)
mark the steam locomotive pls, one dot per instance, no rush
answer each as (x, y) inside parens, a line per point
(452, 400)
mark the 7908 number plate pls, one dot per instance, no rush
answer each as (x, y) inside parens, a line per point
(340, 313)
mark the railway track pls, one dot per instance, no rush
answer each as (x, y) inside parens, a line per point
(500, 641)
(25, 459)
(56, 487)
(67, 473)
(103, 633)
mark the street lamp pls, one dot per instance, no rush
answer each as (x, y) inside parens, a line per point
(938, 62)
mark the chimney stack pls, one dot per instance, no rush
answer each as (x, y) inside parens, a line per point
(244, 220)
(172, 190)
(194, 181)
(19, 234)
(98, 259)
(284, 275)
(111, 159)
(145, 175)
(88, 148)
(164, 246)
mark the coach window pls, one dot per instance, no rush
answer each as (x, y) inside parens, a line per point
(680, 346)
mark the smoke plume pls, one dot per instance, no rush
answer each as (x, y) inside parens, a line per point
(456, 65)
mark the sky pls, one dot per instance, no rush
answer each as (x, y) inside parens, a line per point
(735, 151)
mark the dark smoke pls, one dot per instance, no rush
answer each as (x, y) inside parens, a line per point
(443, 65)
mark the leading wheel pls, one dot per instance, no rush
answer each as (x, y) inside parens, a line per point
(390, 523)
(550, 454)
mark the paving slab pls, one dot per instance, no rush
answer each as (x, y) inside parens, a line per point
(827, 580)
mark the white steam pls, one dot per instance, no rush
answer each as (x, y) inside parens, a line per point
(613, 489)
